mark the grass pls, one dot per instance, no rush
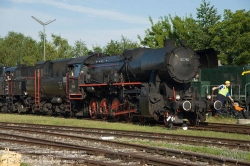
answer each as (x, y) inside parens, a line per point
(221, 119)
(210, 150)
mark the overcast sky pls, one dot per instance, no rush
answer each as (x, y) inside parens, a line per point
(96, 22)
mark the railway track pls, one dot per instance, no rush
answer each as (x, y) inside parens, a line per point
(193, 140)
(220, 127)
(138, 157)
(204, 126)
(57, 131)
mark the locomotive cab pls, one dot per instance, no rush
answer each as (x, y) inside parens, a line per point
(76, 74)
(74, 70)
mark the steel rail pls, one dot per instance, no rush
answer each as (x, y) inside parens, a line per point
(162, 151)
(194, 140)
(92, 151)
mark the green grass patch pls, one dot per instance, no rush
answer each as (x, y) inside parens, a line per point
(210, 150)
(221, 119)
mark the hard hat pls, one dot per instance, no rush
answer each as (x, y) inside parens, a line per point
(227, 82)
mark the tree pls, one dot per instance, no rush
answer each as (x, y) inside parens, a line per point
(17, 48)
(168, 27)
(96, 48)
(155, 36)
(117, 47)
(195, 31)
(63, 49)
(207, 17)
(29, 56)
(80, 49)
(233, 37)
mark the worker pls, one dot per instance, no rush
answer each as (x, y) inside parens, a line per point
(223, 93)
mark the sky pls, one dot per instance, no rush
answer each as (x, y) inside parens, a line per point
(97, 22)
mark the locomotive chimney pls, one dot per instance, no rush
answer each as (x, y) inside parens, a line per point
(169, 42)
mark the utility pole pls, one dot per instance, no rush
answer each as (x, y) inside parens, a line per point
(42, 23)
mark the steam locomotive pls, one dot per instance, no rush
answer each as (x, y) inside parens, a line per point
(142, 84)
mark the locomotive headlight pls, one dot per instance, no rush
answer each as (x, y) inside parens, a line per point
(25, 93)
(209, 97)
(177, 97)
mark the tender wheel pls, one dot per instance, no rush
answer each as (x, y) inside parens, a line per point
(20, 108)
(4, 109)
(193, 120)
(104, 108)
(93, 107)
(50, 112)
(115, 107)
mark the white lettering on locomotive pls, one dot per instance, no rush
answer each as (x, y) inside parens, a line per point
(184, 59)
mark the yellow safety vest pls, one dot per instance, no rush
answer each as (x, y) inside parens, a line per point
(224, 90)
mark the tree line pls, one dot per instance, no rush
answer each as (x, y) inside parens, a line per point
(229, 34)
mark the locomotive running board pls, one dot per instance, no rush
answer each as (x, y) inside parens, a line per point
(114, 84)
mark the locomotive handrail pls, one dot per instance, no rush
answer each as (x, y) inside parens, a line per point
(239, 91)
(174, 94)
(231, 89)
(246, 90)
(245, 72)
(207, 87)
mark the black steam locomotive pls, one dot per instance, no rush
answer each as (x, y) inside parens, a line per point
(141, 83)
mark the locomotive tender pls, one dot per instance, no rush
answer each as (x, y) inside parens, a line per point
(141, 83)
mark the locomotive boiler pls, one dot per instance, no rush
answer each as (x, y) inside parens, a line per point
(144, 83)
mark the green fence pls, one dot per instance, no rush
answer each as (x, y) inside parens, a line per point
(240, 85)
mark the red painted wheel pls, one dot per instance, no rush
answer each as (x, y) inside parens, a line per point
(93, 107)
(104, 108)
(115, 107)
(128, 117)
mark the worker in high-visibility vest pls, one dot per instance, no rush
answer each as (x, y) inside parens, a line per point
(223, 93)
